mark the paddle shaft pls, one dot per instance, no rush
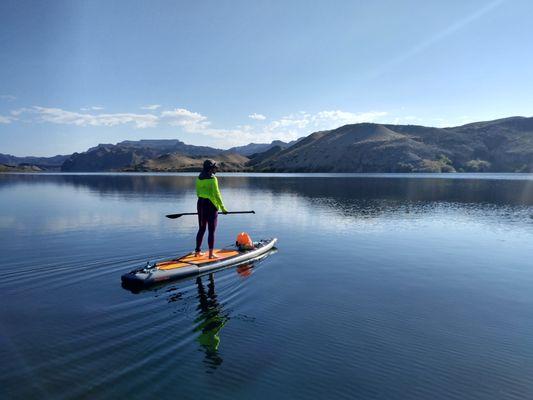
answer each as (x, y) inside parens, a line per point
(174, 216)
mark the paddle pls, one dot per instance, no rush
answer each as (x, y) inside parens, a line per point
(174, 216)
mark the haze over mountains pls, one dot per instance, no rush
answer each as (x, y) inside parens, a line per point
(504, 145)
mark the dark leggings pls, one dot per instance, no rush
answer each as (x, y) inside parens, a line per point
(207, 217)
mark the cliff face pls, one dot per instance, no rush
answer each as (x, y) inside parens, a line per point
(503, 145)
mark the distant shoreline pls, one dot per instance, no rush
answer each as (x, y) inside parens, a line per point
(386, 175)
(503, 145)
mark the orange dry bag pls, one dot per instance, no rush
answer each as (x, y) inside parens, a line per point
(244, 241)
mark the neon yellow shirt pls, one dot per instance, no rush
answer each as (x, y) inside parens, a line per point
(208, 189)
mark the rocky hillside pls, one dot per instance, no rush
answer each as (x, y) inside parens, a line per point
(181, 162)
(19, 168)
(128, 154)
(258, 158)
(255, 148)
(504, 145)
(42, 163)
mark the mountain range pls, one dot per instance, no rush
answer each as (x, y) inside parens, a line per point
(503, 145)
(50, 163)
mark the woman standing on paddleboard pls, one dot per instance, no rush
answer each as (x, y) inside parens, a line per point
(209, 203)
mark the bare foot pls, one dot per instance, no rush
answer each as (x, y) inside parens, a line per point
(199, 254)
(212, 256)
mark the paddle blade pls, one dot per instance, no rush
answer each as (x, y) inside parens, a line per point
(173, 216)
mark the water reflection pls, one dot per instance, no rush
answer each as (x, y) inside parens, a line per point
(474, 189)
(393, 311)
(103, 183)
(356, 197)
(211, 319)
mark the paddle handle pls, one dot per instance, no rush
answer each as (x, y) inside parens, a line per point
(174, 216)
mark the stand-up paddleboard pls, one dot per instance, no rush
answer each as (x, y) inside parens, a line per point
(189, 265)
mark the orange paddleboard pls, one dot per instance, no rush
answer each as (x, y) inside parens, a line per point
(189, 265)
(191, 259)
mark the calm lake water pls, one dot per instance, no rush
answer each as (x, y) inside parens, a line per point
(383, 287)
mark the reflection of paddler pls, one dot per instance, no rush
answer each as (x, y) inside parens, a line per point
(211, 320)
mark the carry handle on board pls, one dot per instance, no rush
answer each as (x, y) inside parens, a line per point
(174, 216)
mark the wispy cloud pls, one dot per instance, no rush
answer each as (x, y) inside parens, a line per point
(288, 127)
(437, 37)
(257, 117)
(335, 118)
(92, 108)
(7, 97)
(20, 111)
(151, 107)
(291, 126)
(5, 120)
(408, 119)
(327, 119)
(59, 116)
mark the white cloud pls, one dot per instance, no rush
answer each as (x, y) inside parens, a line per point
(327, 119)
(151, 107)
(59, 116)
(19, 111)
(336, 118)
(5, 120)
(257, 117)
(190, 121)
(286, 128)
(296, 121)
(7, 97)
(289, 127)
(92, 108)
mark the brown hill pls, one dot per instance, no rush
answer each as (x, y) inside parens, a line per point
(129, 153)
(502, 145)
(19, 168)
(176, 162)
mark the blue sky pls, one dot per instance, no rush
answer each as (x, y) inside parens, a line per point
(223, 73)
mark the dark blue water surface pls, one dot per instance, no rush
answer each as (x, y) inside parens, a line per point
(383, 287)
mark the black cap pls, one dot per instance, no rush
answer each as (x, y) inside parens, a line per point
(208, 164)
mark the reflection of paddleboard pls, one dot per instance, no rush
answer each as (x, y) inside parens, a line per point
(189, 265)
